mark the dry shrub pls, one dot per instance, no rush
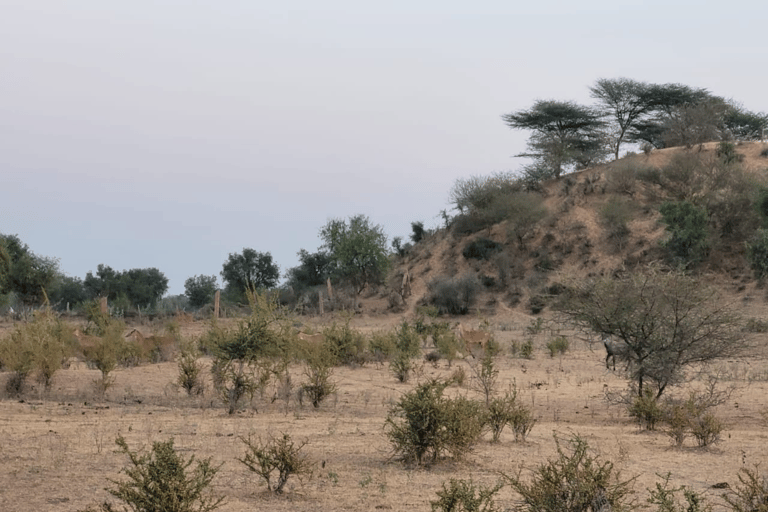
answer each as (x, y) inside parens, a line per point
(278, 456)
(463, 495)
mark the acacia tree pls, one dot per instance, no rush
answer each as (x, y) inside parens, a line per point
(625, 101)
(247, 271)
(358, 251)
(668, 320)
(564, 134)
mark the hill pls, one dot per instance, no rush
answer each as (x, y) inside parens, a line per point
(598, 221)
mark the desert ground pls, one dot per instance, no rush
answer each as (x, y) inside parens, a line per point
(58, 452)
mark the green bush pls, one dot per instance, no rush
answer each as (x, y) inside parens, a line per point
(557, 345)
(162, 481)
(346, 344)
(481, 249)
(453, 296)
(693, 417)
(464, 496)
(575, 481)
(279, 457)
(507, 410)
(687, 224)
(424, 425)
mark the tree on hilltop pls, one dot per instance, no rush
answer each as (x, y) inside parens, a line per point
(564, 134)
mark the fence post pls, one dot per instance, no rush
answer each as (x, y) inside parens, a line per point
(216, 299)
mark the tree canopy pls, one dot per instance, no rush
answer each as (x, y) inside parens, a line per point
(23, 272)
(564, 134)
(200, 290)
(357, 250)
(249, 270)
(139, 286)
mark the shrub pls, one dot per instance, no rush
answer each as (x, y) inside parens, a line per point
(687, 225)
(481, 249)
(646, 409)
(190, 370)
(318, 370)
(279, 455)
(526, 349)
(506, 410)
(558, 344)
(425, 425)
(417, 232)
(751, 495)
(38, 346)
(485, 377)
(622, 177)
(463, 419)
(666, 498)
(401, 367)
(692, 417)
(162, 480)
(614, 216)
(464, 496)
(346, 345)
(382, 345)
(453, 296)
(575, 481)
(447, 344)
(726, 152)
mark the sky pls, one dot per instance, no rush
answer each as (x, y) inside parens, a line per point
(171, 133)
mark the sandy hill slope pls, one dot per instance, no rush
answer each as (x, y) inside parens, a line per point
(575, 239)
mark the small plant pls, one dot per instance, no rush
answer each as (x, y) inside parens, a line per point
(557, 345)
(666, 498)
(318, 371)
(506, 410)
(575, 481)
(485, 377)
(162, 480)
(447, 344)
(278, 456)
(535, 327)
(465, 496)
(401, 366)
(526, 349)
(233, 380)
(646, 409)
(346, 344)
(615, 216)
(459, 376)
(190, 370)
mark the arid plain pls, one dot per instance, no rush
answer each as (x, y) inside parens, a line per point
(57, 450)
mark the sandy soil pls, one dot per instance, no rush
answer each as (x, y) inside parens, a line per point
(57, 451)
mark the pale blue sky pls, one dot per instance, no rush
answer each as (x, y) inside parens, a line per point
(169, 134)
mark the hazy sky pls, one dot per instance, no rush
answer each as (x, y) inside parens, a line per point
(169, 134)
